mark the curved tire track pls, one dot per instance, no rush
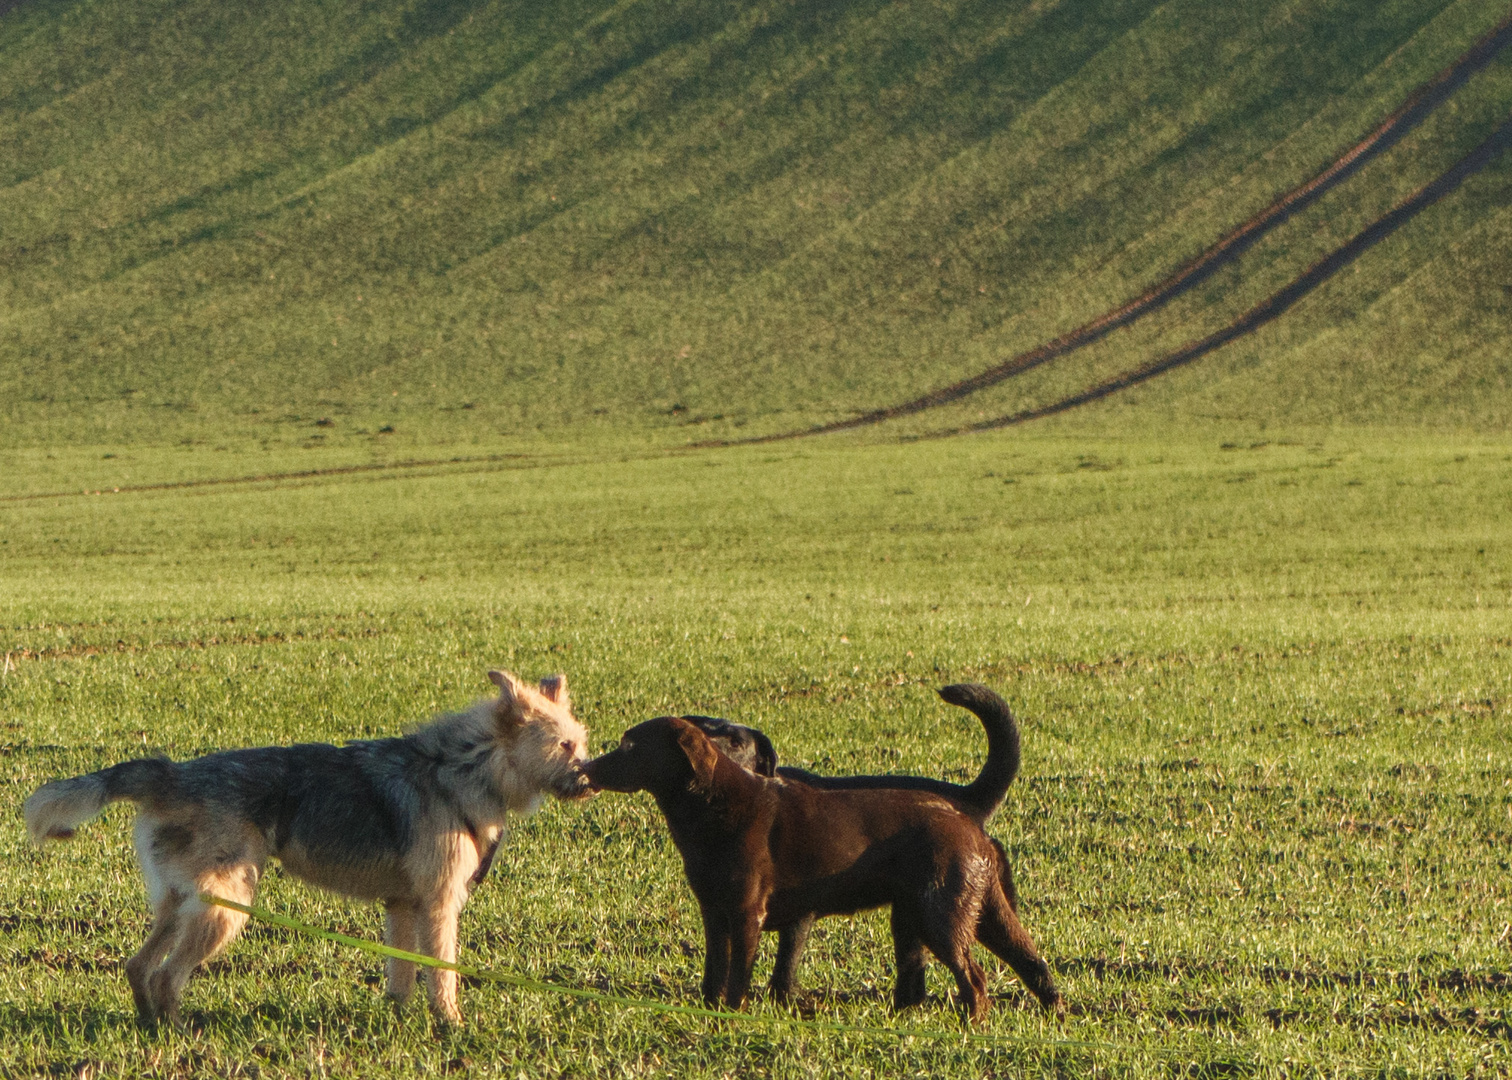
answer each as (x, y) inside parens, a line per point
(1277, 303)
(1416, 108)
(260, 478)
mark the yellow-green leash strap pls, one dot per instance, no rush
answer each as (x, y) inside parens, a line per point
(524, 982)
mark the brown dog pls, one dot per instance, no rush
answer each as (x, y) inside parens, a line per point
(751, 749)
(767, 854)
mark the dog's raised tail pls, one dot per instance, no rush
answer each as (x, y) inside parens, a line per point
(983, 795)
(58, 808)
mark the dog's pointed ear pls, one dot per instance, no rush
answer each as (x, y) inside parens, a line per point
(554, 688)
(699, 750)
(509, 686)
(507, 708)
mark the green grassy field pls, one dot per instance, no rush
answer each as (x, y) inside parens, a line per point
(488, 220)
(1262, 828)
(350, 348)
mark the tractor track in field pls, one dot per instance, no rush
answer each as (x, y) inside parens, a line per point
(263, 478)
(122, 647)
(1273, 306)
(1413, 111)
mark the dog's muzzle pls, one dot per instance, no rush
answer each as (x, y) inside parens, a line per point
(576, 786)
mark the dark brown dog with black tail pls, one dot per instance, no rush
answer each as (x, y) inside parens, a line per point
(978, 800)
(770, 853)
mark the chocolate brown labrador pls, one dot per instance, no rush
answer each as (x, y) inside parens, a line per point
(767, 853)
(750, 748)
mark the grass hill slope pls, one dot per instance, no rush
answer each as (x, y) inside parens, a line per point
(452, 217)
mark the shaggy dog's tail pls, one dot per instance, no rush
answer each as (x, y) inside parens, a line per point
(56, 809)
(983, 795)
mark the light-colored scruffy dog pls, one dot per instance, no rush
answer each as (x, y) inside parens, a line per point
(410, 821)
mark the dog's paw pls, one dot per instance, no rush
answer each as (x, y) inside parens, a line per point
(191, 1025)
(448, 1019)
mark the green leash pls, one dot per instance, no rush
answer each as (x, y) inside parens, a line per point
(524, 982)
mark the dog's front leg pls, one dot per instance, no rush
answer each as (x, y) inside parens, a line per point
(716, 954)
(791, 941)
(437, 925)
(399, 933)
(745, 938)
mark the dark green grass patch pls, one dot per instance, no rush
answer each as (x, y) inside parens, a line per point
(490, 220)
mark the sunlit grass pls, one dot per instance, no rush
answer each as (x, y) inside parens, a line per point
(1263, 817)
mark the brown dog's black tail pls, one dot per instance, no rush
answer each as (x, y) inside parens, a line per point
(984, 794)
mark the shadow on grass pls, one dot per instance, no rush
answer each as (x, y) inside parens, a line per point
(1454, 981)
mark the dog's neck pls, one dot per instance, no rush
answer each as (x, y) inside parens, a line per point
(693, 808)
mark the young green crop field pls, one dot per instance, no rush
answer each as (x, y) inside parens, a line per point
(1263, 825)
(665, 220)
(349, 348)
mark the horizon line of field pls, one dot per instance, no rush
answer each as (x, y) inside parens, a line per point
(1418, 105)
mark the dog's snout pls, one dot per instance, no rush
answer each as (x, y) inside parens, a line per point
(577, 785)
(597, 776)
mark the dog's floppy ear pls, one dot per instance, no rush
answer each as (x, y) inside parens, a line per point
(699, 750)
(554, 688)
(766, 754)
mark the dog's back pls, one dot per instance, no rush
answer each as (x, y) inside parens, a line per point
(750, 748)
(311, 793)
(836, 852)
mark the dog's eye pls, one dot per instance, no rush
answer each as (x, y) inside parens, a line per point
(567, 745)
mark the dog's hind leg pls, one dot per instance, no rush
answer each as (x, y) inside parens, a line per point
(951, 909)
(971, 983)
(1005, 874)
(400, 932)
(791, 941)
(998, 928)
(139, 969)
(908, 951)
(204, 930)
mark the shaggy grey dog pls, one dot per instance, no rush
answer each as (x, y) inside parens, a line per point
(410, 821)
